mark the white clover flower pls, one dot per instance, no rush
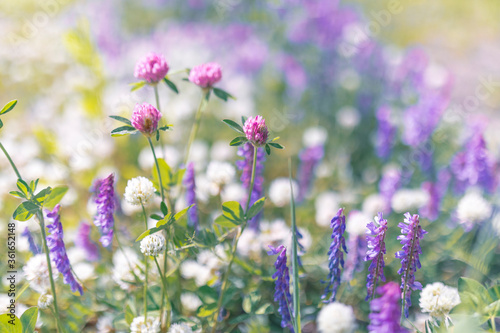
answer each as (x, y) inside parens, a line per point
(438, 299)
(473, 208)
(139, 190)
(327, 205)
(373, 204)
(249, 243)
(190, 301)
(314, 136)
(273, 233)
(180, 328)
(279, 192)
(36, 272)
(153, 245)
(152, 325)
(221, 151)
(356, 223)
(336, 318)
(219, 174)
(84, 271)
(233, 192)
(191, 269)
(45, 300)
(406, 200)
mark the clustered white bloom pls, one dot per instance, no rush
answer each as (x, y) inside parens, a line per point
(373, 204)
(206, 266)
(326, 205)
(126, 266)
(190, 301)
(139, 190)
(356, 223)
(152, 325)
(180, 328)
(37, 273)
(336, 318)
(279, 191)
(473, 208)
(314, 136)
(153, 245)
(438, 299)
(405, 200)
(45, 300)
(220, 173)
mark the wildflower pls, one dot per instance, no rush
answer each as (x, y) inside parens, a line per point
(104, 197)
(83, 241)
(205, 75)
(279, 191)
(409, 199)
(220, 174)
(385, 132)
(376, 251)
(55, 242)
(152, 325)
(153, 245)
(356, 228)
(180, 328)
(190, 301)
(139, 190)
(325, 204)
(389, 184)
(36, 273)
(282, 290)
(145, 119)
(410, 257)
(314, 136)
(473, 208)
(256, 130)
(190, 183)
(152, 68)
(309, 160)
(45, 300)
(385, 311)
(436, 191)
(336, 318)
(33, 247)
(375, 203)
(438, 300)
(335, 256)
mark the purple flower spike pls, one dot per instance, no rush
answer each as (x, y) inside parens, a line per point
(31, 241)
(410, 257)
(83, 241)
(375, 253)
(309, 160)
(104, 198)
(385, 132)
(389, 184)
(189, 182)
(145, 119)
(55, 242)
(206, 75)
(385, 311)
(282, 290)
(151, 68)
(335, 256)
(256, 130)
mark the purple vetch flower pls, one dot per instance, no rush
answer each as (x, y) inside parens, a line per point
(104, 198)
(55, 242)
(152, 68)
(31, 241)
(474, 166)
(357, 250)
(335, 256)
(145, 119)
(376, 250)
(205, 75)
(282, 290)
(410, 257)
(190, 184)
(309, 160)
(385, 313)
(84, 241)
(436, 192)
(256, 130)
(245, 165)
(386, 132)
(389, 184)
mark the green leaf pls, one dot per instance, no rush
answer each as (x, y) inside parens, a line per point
(225, 222)
(233, 210)
(18, 194)
(42, 195)
(276, 145)
(234, 125)
(23, 186)
(256, 208)
(28, 319)
(1, 123)
(268, 149)
(164, 128)
(207, 294)
(472, 286)
(243, 120)
(181, 213)
(25, 211)
(8, 107)
(265, 309)
(166, 174)
(10, 325)
(238, 141)
(129, 314)
(55, 196)
(147, 233)
(171, 85)
(224, 95)
(122, 119)
(123, 130)
(156, 217)
(164, 208)
(250, 302)
(207, 310)
(137, 85)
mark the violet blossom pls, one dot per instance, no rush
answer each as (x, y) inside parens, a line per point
(385, 312)
(104, 198)
(152, 68)
(386, 132)
(84, 241)
(376, 250)
(31, 241)
(145, 119)
(205, 75)
(309, 160)
(190, 184)
(256, 130)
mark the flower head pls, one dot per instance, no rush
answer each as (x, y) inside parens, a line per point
(31, 241)
(45, 300)
(139, 190)
(473, 208)
(104, 198)
(385, 132)
(205, 75)
(282, 290)
(180, 328)
(152, 325)
(145, 119)
(375, 253)
(335, 256)
(336, 318)
(438, 300)
(190, 183)
(36, 272)
(83, 241)
(385, 311)
(152, 68)
(309, 160)
(279, 191)
(412, 233)
(55, 242)
(153, 245)
(256, 130)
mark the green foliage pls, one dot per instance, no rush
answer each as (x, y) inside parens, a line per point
(137, 85)
(171, 85)
(25, 211)
(28, 319)
(123, 130)
(232, 215)
(164, 223)
(224, 95)
(169, 177)
(234, 125)
(122, 119)
(8, 107)
(10, 325)
(256, 208)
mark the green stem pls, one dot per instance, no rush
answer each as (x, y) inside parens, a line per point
(493, 324)
(11, 162)
(295, 258)
(146, 270)
(157, 169)
(165, 296)
(405, 285)
(39, 215)
(196, 124)
(235, 244)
